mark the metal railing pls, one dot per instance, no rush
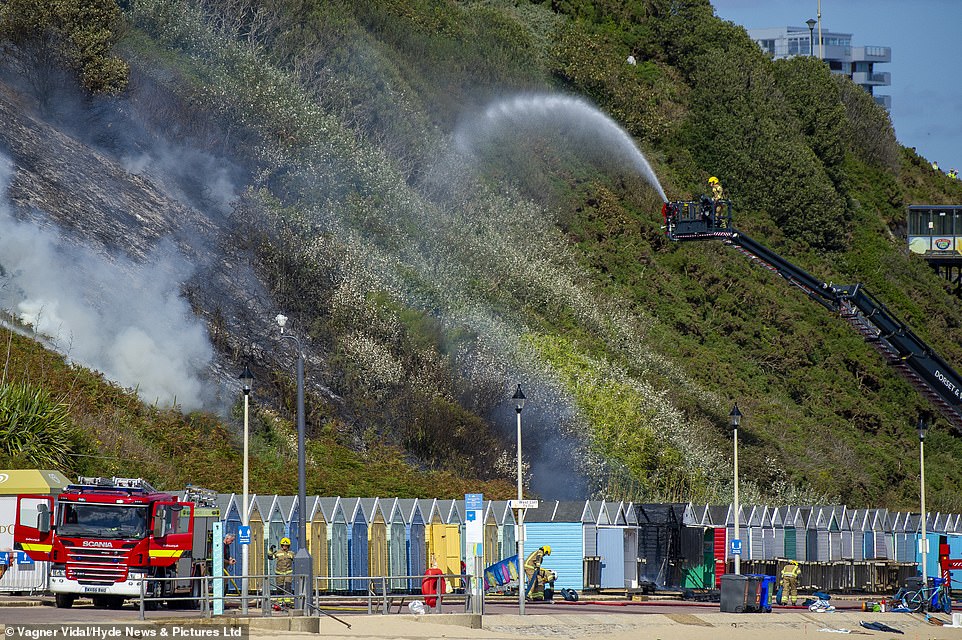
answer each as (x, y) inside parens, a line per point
(267, 596)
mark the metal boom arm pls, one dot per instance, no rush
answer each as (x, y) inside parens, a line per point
(932, 376)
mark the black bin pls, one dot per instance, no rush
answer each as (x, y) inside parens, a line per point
(740, 593)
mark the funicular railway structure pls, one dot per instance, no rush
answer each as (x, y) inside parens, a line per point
(912, 358)
(935, 233)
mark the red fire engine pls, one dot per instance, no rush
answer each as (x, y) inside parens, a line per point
(105, 536)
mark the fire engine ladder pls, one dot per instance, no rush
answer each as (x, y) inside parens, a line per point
(904, 351)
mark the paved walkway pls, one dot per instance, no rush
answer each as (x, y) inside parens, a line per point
(668, 623)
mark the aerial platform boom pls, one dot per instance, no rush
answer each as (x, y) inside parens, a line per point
(933, 377)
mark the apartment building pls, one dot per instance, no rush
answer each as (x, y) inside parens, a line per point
(858, 63)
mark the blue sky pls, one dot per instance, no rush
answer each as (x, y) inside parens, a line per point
(926, 62)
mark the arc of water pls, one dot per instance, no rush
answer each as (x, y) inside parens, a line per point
(568, 111)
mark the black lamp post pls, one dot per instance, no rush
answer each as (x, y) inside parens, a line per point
(811, 36)
(923, 426)
(247, 379)
(303, 566)
(519, 399)
(735, 419)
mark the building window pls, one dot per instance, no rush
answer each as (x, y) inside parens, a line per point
(767, 46)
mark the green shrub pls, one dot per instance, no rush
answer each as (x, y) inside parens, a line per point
(35, 428)
(76, 34)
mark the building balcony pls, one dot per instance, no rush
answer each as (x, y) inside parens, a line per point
(885, 101)
(876, 79)
(872, 54)
(834, 51)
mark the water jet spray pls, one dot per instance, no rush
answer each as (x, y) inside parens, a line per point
(570, 115)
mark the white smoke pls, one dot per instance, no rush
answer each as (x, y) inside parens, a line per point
(124, 319)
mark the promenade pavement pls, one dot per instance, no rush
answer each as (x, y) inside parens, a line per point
(616, 626)
(680, 622)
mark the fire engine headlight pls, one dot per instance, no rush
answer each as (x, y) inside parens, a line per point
(57, 573)
(135, 575)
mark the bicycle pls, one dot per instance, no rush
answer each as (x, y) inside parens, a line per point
(935, 598)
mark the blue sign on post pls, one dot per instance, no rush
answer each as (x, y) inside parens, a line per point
(244, 534)
(736, 547)
(473, 501)
(23, 558)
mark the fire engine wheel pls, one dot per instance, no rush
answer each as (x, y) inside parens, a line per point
(64, 600)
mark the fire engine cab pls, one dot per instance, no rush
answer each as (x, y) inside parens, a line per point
(105, 536)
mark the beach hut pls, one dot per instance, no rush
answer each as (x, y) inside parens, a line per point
(852, 535)
(492, 535)
(416, 544)
(898, 519)
(396, 529)
(775, 537)
(258, 507)
(804, 536)
(818, 523)
(377, 547)
(230, 517)
(453, 526)
(611, 545)
(882, 530)
(338, 549)
(632, 558)
(743, 532)
(719, 517)
(294, 523)
(508, 529)
(277, 525)
(357, 543)
(317, 542)
(849, 531)
(697, 548)
(913, 527)
(754, 546)
(660, 541)
(835, 532)
(594, 511)
(558, 524)
(793, 534)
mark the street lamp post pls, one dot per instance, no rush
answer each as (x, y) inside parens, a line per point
(518, 398)
(303, 566)
(924, 542)
(821, 46)
(811, 36)
(246, 378)
(735, 418)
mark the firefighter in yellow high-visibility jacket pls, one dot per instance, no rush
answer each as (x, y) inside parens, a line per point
(532, 571)
(790, 582)
(284, 568)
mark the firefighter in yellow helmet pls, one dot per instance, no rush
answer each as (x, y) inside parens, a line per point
(717, 195)
(534, 578)
(284, 568)
(790, 574)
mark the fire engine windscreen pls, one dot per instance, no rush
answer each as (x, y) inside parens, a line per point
(102, 520)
